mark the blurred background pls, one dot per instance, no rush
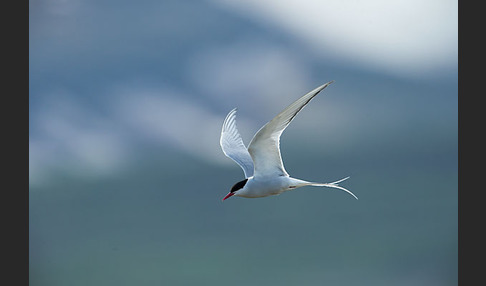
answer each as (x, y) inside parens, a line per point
(126, 175)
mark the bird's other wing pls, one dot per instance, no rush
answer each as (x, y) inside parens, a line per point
(264, 148)
(233, 146)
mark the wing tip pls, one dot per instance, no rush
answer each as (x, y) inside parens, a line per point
(232, 112)
(325, 85)
(229, 117)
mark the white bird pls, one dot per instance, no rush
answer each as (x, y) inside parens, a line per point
(262, 164)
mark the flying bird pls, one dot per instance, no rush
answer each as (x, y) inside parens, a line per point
(261, 162)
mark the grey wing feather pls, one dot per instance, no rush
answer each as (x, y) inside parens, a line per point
(264, 148)
(233, 146)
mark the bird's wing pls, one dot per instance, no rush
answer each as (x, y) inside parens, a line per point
(264, 148)
(233, 146)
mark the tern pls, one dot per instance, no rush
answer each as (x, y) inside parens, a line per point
(261, 162)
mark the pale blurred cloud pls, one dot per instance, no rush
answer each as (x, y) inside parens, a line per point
(66, 135)
(412, 38)
(167, 118)
(255, 76)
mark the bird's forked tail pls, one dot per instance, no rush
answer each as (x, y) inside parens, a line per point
(332, 185)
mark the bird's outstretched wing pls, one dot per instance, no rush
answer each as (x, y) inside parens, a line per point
(264, 148)
(233, 146)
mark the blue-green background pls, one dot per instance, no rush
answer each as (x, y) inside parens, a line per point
(155, 217)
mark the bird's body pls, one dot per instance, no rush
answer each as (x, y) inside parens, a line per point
(261, 161)
(264, 186)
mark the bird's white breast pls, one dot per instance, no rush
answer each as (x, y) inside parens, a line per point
(265, 186)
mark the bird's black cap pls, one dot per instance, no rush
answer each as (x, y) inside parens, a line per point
(238, 186)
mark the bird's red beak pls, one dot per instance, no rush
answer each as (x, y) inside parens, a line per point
(228, 195)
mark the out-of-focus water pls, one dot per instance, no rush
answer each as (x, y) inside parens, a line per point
(167, 225)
